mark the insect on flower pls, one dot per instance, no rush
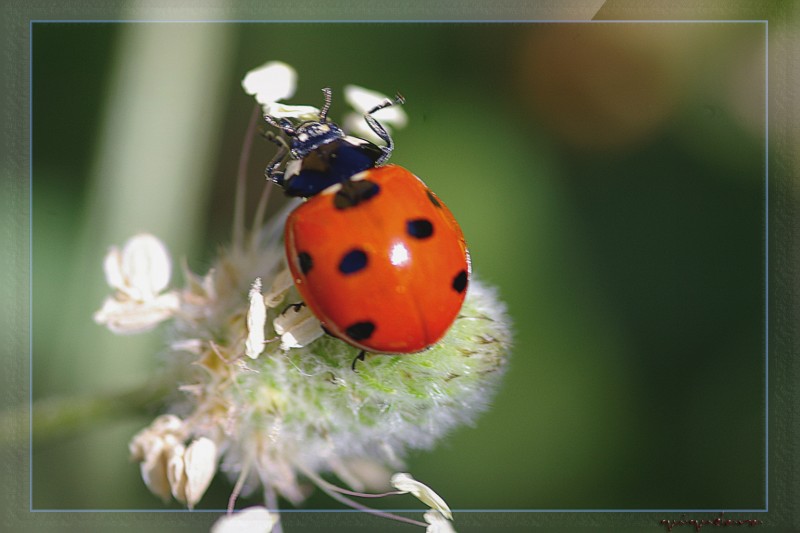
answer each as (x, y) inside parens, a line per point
(275, 416)
(374, 253)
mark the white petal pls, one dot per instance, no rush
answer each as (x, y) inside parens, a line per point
(250, 520)
(438, 523)
(154, 470)
(406, 483)
(153, 436)
(112, 266)
(176, 471)
(131, 316)
(138, 446)
(193, 346)
(270, 82)
(302, 335)
(297, 327)
(141, 443)
(362, 100)
(200, 463)
(300, 112)
(280, 284)
(167, 424)
(146, 266)
(256, 320)
(209, 286)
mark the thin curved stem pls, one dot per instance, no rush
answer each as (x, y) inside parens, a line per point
(271, 501)
(237, 488)
(341, 490)
(258, 219)
(241, 180)
(335, 493)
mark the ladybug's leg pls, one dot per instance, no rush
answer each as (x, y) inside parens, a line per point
(359, 357)
(295, 306)
(272, 172)
(297, 326)
(378, 128)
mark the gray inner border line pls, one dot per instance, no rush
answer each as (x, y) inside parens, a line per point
(471, 21)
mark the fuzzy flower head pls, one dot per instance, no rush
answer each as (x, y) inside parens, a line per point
(269, 400)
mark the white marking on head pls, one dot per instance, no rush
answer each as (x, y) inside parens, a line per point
(292, 168)
(358, 141)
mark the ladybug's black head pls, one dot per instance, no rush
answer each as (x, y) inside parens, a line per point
(311, 135)
(321, 154)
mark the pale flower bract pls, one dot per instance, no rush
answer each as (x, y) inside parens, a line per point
(405, 483)
(270, 82)
(438, 523)
(199, 467)
(256, 321)
(250, 520)
(274, 416)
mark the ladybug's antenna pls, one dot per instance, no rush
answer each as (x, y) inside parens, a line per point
(323, 115)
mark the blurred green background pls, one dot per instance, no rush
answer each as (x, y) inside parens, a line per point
(609, 179)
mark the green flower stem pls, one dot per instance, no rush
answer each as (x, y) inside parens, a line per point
(58, 417)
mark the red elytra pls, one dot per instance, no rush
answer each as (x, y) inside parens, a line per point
(380, 261)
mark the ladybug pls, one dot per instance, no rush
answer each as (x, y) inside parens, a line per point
(374, 253)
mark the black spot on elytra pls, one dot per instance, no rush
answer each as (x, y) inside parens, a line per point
(305, 261)
(353, 193)
(353, 261)
(460, 281)
(360, 330)
(432, 198)
(419, 228)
